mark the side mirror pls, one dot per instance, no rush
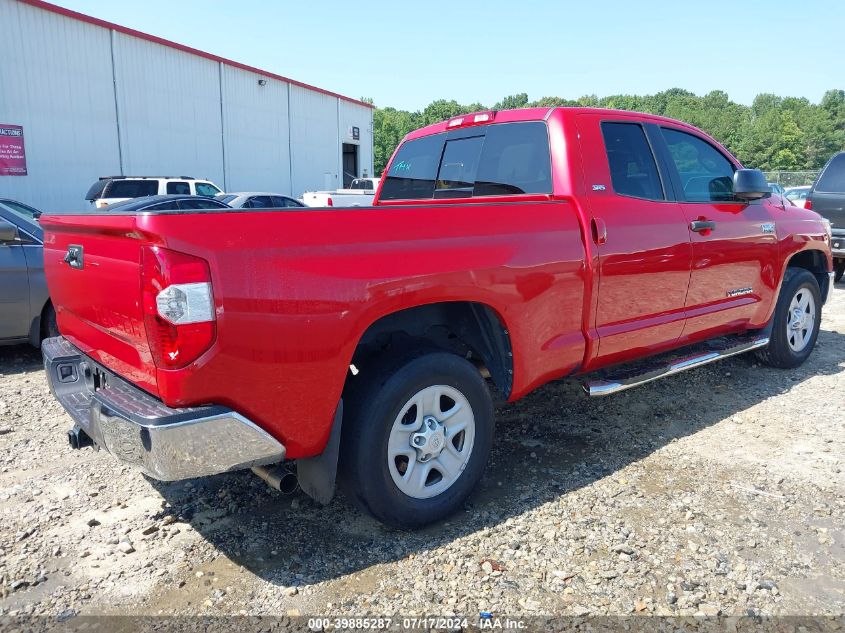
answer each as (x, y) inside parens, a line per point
(750, 184)
(8, 232)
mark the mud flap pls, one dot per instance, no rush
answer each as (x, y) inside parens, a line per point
(317, 474)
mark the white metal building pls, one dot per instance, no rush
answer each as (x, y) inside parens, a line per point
(97, 99)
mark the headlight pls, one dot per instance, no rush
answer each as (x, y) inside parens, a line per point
(828, 228)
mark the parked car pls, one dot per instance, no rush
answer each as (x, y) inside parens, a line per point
(797, 195)
(777, 188)
(257, 200)
(827, 197)
(110, 189)
(166, 203)
(26, 314)
(357, 341)
(359, 194)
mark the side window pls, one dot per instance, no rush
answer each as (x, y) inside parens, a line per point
(205, 203)
(414, 169)
(179, 188)
(633, 170)
(206, 189)
(170, 205)
(23, 210)
(832, 179)
(130, 188)
(456, 177)
(706, 174)
(515, 160)
(281, 202)
(260, 202)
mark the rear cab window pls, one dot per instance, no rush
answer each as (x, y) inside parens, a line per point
(456, 177)
(493, 160)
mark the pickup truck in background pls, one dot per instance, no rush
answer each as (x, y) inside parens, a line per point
(827, 198)
(360, 193)
(524, 245)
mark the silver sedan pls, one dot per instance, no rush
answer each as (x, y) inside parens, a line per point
(26, 314)
(258, 200)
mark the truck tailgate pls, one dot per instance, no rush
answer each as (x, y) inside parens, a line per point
(98, 294)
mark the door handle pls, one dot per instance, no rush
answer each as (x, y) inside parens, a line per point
(702, 225)
(74, 256)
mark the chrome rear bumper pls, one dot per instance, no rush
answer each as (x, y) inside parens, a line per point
(167, 444)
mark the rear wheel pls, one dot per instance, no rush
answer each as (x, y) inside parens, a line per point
(796, 320)
(416, 439)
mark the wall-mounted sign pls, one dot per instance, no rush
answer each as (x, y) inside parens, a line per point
(354, 133)
(12, 152)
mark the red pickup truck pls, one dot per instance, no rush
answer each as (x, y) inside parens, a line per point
(504, 249)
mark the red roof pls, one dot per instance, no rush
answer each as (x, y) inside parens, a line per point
(181, 47)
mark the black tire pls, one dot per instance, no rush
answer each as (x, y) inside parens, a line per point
(838, 270)
(372, 405)
(49, 327)
(778, 353)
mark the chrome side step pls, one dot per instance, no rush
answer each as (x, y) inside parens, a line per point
(614, 384)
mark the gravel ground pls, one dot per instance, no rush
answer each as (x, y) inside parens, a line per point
(720, 491)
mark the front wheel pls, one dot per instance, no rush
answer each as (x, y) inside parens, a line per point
(796, 320)
(838, 270)
(416, 439)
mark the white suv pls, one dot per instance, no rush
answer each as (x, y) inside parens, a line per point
(111, 189)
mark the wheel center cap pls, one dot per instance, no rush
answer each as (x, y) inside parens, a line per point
(429, 440)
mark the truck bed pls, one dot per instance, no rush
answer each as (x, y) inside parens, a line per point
(294, 291)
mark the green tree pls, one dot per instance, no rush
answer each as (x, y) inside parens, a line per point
(512, 102)
(774, 133)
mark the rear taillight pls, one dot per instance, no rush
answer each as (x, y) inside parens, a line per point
(178, 306)
(329, 202)
(808, 204)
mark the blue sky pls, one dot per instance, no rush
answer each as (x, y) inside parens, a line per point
(407, 54)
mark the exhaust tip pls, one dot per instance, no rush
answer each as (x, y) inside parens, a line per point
(79, 438)
(288, 483)
(279, 478)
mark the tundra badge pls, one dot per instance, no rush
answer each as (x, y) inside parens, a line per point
(740, 291)
(768, 227)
